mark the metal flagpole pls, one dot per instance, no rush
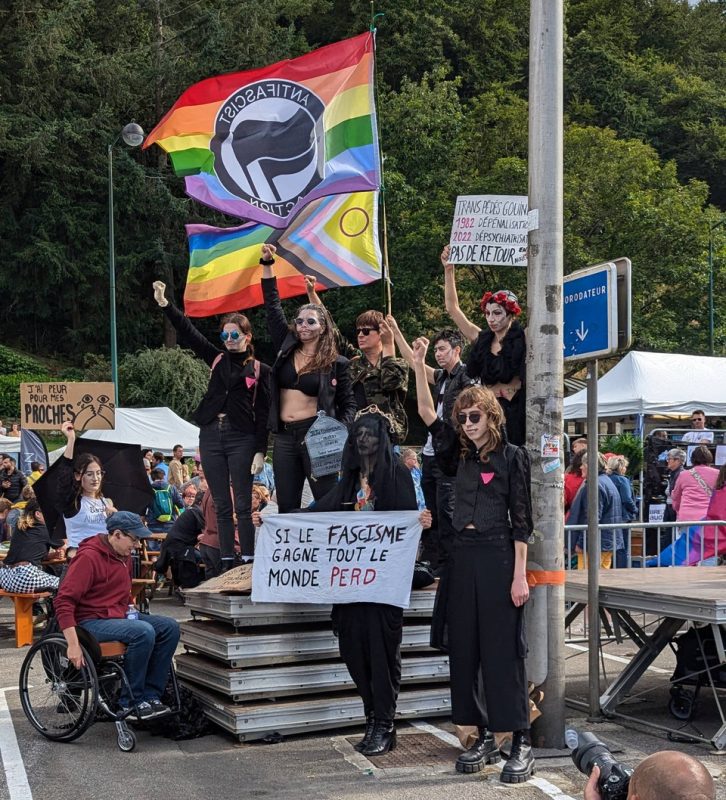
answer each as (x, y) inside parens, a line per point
(385, 270)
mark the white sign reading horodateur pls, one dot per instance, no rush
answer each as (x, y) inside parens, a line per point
(490, 229)
(336, 557)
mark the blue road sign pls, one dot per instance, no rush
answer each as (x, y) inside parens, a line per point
(590, 312)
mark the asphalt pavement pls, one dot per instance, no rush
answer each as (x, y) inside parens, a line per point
(323, 766)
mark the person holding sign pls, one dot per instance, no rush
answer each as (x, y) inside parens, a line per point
(232, 418)
(308, 376)
(372, 478)
(480, 619)
(498, 355)
(80, 482)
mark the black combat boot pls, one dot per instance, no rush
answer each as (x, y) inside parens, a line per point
(366, 740)
(483, 751)
(383, 738)
(520, 766)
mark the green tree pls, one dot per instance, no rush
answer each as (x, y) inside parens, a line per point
(167, 376)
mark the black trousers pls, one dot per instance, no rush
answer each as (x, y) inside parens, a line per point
(487, 645)
(291, 466)
(227, 456)
(370, 644)
(438, 492)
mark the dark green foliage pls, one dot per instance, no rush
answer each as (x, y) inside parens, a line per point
(625, 444)
(168, 376)
(645, 85)
(10, 390)
(12, 361)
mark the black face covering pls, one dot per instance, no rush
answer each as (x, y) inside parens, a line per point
(390, 480)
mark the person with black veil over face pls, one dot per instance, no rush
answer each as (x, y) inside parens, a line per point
(372, 479)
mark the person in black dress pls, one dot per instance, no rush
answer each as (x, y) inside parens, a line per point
(480, 620)
(369, 634)
(233, 421)
(497, 357)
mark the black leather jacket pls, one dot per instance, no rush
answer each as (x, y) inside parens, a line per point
(335, 392)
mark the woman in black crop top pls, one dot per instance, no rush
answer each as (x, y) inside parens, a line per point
(308, 376)
(481, 619)
(232, 418)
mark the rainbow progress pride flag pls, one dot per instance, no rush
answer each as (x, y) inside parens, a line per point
(334, 238)
(261, 144)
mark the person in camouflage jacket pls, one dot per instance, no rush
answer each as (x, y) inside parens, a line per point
(378, 377)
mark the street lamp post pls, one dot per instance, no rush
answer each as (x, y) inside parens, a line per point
(132, 135)
(711, 228)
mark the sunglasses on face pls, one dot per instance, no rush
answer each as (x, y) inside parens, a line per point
(311, 322)
(473, 416)
(365, 331)
(234, 335)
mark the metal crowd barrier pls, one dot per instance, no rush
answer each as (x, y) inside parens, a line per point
(677, 528)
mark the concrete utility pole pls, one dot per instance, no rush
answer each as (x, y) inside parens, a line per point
(544, 355)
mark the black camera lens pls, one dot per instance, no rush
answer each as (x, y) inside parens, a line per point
(588, 752)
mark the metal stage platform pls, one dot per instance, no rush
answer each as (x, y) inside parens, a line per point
(260, 668)
(675, 595)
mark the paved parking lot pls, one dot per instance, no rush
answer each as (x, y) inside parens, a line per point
(322, 766)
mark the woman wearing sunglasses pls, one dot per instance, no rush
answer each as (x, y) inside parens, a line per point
(308, 376)
(232, 418)
(498, 353)
(481, 619)
(80, 493)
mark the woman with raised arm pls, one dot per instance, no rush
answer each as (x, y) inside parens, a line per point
(498, 353)
(232, 418)
(80, 493)
(481, 619)
(308, 376)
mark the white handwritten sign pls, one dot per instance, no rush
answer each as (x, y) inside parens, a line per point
(336, 557)
(490, 229)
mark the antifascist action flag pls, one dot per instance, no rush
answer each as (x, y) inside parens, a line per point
(334, 238)
(261, 144)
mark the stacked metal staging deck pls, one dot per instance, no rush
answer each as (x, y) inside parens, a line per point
(268, 667)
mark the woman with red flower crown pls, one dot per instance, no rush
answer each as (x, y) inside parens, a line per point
(498, 353)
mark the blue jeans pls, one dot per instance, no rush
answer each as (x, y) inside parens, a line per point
(227, 455)
(151, 642)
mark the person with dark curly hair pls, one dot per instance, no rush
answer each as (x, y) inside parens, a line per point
(308, 376)
(479, 612)
(498, 353)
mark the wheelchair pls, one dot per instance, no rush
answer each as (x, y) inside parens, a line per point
(61, 702)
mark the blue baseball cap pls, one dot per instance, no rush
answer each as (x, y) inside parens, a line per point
(127, 522)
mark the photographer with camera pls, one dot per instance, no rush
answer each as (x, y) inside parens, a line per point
(666, 775)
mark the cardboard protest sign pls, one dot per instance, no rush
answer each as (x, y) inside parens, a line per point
(337, 557)
(325, 441)
(46, 406)
(490, 229)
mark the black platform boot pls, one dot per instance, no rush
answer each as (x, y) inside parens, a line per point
(483, 751)
(366, 740)
(520, 766)
(383, 738)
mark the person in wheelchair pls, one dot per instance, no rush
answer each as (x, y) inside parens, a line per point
(94, 595)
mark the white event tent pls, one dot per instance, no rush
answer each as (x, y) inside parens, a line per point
(156, 428)
(656, 383)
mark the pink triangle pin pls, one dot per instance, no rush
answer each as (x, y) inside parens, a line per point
(486, 477)
(250, 382)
